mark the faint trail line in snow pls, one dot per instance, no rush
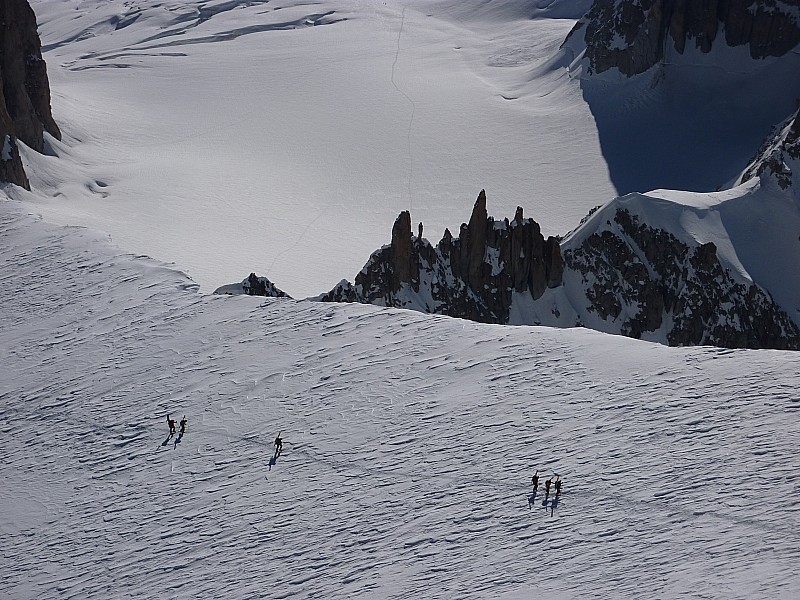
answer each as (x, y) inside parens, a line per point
(413, 110)
(299, 238)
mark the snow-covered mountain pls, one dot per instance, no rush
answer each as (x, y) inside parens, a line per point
(608, 278)
(670, 266)
(677, 267)
(665, 266)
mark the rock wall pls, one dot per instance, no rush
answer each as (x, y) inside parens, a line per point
(632, 35)
(25, 101)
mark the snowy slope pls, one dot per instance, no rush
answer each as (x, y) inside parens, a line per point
(409, 444)
(284, 137)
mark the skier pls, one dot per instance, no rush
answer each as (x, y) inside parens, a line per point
(547, 487)
(535, 480)
(171, 423)
(558, 485)
(183, 425)
(278, 445)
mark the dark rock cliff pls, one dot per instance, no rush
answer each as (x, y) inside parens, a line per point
(644, 279)
(472, 276)
(25, 101)
(633, 35)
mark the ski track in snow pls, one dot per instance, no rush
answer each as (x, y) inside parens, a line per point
(413, 110)
(409, 442)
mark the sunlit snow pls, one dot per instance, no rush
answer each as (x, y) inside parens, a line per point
(209, 140)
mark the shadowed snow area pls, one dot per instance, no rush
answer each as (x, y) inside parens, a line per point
(693, 121)
(409, 443)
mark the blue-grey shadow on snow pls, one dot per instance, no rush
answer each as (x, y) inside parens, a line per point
(554, 505)
(166, 441)
(274, 459)
(688, 127)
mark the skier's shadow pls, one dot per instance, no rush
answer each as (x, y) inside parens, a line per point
(532, 499)
(166, 441)
(177, 441)
(274, 459)
(554, 505)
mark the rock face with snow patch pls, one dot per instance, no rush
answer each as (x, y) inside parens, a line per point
(472, 276)
(632, 35)
(25, 101)
(779, 157)
(253, 286)
(644, 279)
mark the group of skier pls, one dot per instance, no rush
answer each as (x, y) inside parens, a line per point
(279, 447)
(171, 424)
(547, 484)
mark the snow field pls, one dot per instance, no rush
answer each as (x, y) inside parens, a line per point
(285, 137)
(409, 442)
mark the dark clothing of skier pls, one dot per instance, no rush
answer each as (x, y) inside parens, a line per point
(558, 487)
(171, 423)
(547, 486)
(183, 424)
(278, 445)
(535, 480)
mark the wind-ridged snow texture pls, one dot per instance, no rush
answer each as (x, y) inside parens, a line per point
(409, 442)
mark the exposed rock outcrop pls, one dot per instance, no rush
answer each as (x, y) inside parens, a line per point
(645, 280)
(25, 101)
(252, 286)
(11, 169)
(472, 276)
(633, 35)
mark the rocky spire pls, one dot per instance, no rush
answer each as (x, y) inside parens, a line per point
(472, 276)
(406, 265)
(473, 238)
